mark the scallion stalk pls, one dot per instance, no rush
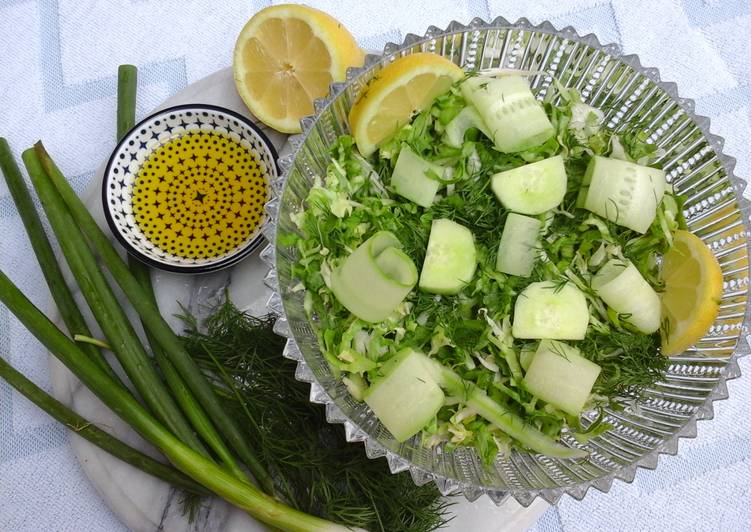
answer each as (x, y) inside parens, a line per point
(193, 464)
(106, 309)
(87, 430)
(192, 408)
(127, 83)
(154, 322)
(53, 275)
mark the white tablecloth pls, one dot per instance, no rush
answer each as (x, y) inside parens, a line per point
(58, 60)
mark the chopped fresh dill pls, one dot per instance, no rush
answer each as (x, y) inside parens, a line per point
(313, 465)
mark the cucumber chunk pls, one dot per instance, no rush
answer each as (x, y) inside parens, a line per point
(517, 251)
(457, 128)
(514, 118)
(533, 188)
(450, 260)
(561, 376)
(406, 397)
(410, 179)
(550, 310)
(623, 192)
(620, 285)
(375, 278)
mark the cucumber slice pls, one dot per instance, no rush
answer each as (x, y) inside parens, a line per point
(450, 260)
(550, 310)
(561, 376)
(410, 179)
(623, 192)
(375, 278)
(457, 128)
(406, 397)
(514, 118)
(518, 249)
(533, 188)
(620, 285)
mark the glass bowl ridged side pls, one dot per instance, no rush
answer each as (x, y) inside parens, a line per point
(716, 211)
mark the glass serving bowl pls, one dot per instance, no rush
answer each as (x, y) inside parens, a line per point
(629, 94)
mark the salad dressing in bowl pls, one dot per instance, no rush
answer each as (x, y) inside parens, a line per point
(185, 189)
(200, 195)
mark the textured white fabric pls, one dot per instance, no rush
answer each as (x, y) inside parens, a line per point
(58, 60)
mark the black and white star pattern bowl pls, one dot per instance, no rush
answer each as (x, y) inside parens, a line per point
(145, 139)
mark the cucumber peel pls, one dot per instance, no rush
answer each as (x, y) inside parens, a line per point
(375, 278)
(498, 415)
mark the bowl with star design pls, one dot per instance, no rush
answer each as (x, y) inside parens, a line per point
(184, 190)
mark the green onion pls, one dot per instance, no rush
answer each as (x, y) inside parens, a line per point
(95, 435)
(193, 464)
(64, 300)
(105, 307)
(154, 322)
(127, 76)
(192, 408)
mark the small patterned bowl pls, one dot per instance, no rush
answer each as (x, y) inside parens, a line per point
(184, 190)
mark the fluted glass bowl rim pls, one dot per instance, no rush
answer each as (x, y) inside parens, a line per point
(373, 448)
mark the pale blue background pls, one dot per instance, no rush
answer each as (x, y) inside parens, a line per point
(58, 60)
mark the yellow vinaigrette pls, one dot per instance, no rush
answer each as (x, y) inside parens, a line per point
(200, 195)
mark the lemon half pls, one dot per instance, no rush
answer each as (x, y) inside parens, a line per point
(285, 57)
(400, 89)
(693, 289)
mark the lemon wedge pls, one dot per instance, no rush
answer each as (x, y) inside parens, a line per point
(693, 288)
(285, 57)
(400, 89)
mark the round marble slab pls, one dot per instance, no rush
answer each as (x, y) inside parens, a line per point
(144, 503)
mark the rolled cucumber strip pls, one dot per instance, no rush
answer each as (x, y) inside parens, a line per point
(623, 192)
(561, 376)
(375, 278)
(515, 120)
(411, 180)
(517, 251)
(533, 188)
(620, 285)
(406, 397)
(457, 128)
(548, 310)
(450, 260)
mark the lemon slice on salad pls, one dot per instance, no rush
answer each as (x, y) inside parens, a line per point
(407, 85)
(693, 288)
(285, 57)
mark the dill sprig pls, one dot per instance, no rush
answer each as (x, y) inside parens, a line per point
(312, 464)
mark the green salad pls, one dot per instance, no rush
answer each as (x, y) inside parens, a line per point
(489, 276)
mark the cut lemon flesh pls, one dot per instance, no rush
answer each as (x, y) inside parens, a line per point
(693, 289)
(285, 57)
(400, 89)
